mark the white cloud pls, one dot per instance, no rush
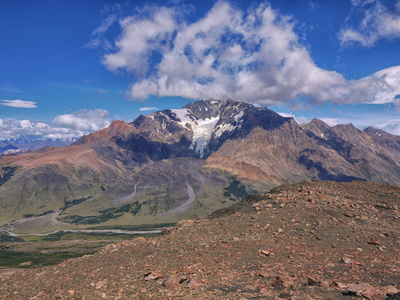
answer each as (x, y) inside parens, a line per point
(105, 25)
(66, 126)
(299, 120)
(376, 21)
(84, 120)
(391, 125)
(18, 103)
(285, 115)
(98, 34)
(379, 88)
(148, 108)
(252, 56)
(11, 128)
(140, 38)
(331, 122)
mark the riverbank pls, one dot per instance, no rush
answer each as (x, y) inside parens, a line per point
(35, 250)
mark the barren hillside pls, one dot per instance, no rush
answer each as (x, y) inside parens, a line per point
(312, 240)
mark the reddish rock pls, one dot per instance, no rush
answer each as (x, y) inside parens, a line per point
(313, 281)
(266, 252)
(153, 276)
(390, 290)
(195, 282)
(283, 281)
(266, 292)
(101, 284)
(374, 242)
(365, 290)
(173, 281)
(165, 231)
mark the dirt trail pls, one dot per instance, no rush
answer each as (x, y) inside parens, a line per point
(129, 197)
(186, 205)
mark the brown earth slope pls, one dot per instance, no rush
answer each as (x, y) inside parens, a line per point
(209, 152)
(312, 240)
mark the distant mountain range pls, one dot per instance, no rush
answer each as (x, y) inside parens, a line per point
(183, 163)
(12, 146)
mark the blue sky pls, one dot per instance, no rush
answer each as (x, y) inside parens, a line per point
(71, 67)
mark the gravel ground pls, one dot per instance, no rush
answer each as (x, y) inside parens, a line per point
(311, 240)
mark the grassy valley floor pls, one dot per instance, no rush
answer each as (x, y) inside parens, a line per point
(33, 251)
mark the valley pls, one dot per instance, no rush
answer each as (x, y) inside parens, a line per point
(152, 202)
(181, 164)
(33, 250)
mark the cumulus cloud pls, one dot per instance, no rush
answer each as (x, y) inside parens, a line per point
(370, 22)
(391, 125)
(11, 128)
(148, 108)
(84, 120)
(379, 88)
(252, 56)
(65, 126)
(18, 103)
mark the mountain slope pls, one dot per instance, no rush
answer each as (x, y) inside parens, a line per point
(373, 158)
(284, 154)
(311, 240)
(22, 145)
(182, 163)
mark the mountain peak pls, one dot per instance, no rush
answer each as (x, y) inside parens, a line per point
(116, 128)
(316, 127)
(213, 121)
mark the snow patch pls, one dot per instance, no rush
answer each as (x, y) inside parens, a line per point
(183, 115)
(202, 129)
(222, 128)
(239, 116)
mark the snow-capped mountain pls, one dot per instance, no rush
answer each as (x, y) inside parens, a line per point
(13, 146)
(207, 124)
(182, 163)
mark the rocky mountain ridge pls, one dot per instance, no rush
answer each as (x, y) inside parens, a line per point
(310, 240)
(199, 158)
(13, 146)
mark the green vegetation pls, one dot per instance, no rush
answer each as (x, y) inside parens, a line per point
(143, 227)
(12, 259)
(8, 172)
(75, 219)
(104, 216)
(38, 215)
(7, 238)
(34, 251)
(235, 189)
(68, 204)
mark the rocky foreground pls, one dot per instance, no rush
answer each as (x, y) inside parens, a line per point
(312, 240)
